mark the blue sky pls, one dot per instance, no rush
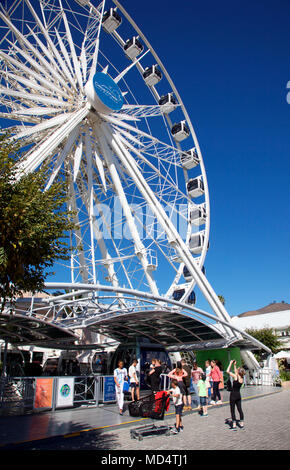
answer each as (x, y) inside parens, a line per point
(230, 62)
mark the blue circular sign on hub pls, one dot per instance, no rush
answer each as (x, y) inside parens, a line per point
(108, 91)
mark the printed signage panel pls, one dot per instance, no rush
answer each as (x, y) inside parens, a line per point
(65, 392)
(43, 393)
(109, 393)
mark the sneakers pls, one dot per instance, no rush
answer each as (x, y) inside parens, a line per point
(219, 402)
(181, 429)
(212, 402)
(175, 431)
(205, 416)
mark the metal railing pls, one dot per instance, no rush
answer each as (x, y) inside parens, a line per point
(19, 395)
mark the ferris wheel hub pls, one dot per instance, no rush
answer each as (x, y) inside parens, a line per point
(103, 94)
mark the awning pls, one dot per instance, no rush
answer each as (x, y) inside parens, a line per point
(164, 327)
(23, 330)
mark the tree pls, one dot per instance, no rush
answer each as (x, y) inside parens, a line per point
(266, 336)
(32, 226)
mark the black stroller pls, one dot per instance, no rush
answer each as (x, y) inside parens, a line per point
(152, 406)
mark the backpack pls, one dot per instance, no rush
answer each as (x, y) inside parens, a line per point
(229, 385)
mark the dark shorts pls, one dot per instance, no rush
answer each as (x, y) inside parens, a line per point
(134, 385)
(182, 387)
(178, 409)
(202, 401)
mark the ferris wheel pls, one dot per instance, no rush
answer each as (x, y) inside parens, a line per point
(83, 91)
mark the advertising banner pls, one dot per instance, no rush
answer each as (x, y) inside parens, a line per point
(65, 392)
(43, 393)
(109, 393)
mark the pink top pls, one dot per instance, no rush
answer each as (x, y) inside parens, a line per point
(195, 373)
(216, 374)
(172, 375)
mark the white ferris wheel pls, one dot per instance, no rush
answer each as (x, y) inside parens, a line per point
(83, 90)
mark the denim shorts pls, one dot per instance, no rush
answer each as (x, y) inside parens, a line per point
(202, 401)
(178, 409)
(134, 385)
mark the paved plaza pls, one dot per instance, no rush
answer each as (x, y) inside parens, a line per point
(266, 428)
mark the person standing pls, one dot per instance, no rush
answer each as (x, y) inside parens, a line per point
(202, 393)
(120, 375)
(208, 380)
(216, 378)
(178, 374)
(134, 381)
(176, 394)
(235, 395)
(154, 375)
(195, 374)
(186, 381)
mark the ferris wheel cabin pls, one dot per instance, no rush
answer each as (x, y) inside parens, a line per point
(196, 243)
(111, 20)
(198, 215)
(180, 131)
(189, 159)
(195, 187)
(133, 47)
(179, 293)
(152, 75)
(167, 103)
(187, 275)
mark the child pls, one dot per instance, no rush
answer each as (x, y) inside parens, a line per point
(178, 403)
(202, 393)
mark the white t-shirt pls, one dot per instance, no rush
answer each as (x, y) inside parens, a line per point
(120, 374)
(132, 371)
(176, 400)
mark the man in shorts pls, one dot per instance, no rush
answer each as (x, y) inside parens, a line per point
(134, 381)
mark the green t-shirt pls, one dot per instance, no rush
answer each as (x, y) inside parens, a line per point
(201, 388)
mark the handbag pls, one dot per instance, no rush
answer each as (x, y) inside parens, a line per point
(126, 386)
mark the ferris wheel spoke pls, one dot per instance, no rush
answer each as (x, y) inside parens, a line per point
(42, 64)
(97, 43)
(47, 124)
(106, 257)
(62, 156)
(62, 69)
(66, 70)
(31, 85)
(52, 142)
(46, 81)
(140, 250)
(143, 111)
(73, 52)
(38, 111)
(31, 98)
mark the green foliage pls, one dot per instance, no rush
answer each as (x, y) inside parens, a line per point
(284, 375)
(266, 336)
(32, 226)
(222, 299)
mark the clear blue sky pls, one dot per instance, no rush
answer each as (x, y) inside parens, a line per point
(230, 61)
